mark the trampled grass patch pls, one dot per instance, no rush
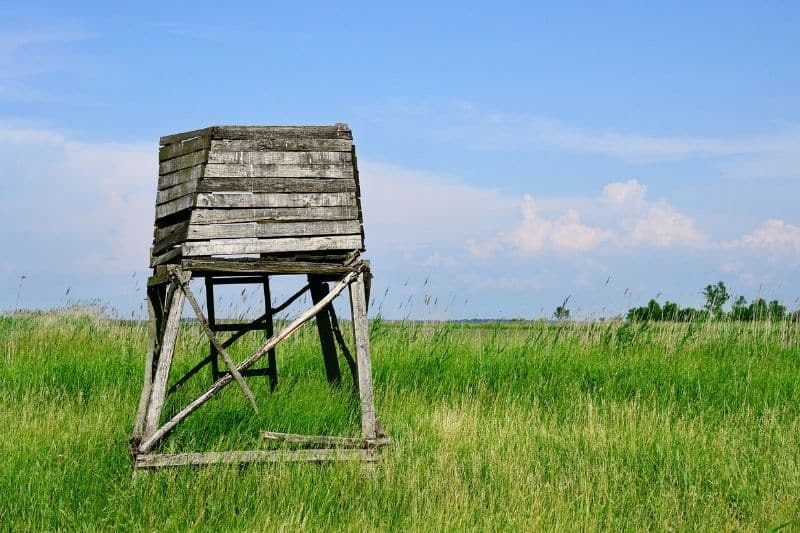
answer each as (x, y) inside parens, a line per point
(565, 426)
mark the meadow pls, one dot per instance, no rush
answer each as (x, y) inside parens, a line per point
(588, 426)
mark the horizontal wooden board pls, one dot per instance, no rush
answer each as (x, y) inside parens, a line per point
(274, 214)
(180, 176)
(281, 158)
(285, 145)
(277, 245)
(173, 193)
(247, 199)
(187, 146)
(168, 236)
(274, 229)
(175, 206)
(178, 137)
(184, 161)
(277, 185)
(337, 131)
(271, 170)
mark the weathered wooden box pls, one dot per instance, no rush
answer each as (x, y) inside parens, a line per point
(228, 191)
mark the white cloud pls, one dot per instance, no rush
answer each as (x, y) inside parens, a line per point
(566, 233)
(632, 222)
(774, 236)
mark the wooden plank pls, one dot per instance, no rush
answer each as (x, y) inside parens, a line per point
(178, 137)
(184, 161)
(173, 193)
(243, 230)
(159, 386)
(282, 144)
(155, 301)
(159, 460)
(281, 158)
(274, 214)
(336, 131)
(358, 307)
(274, 170)
(325, 440)
(259, 266)
(169, 236)
(263, 246)
(156, 260)
(175, 206)
(180, 176)
(255, 199)
(222, 382)
(184, 147)
(277, 185)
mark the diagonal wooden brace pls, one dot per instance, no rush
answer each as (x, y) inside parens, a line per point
(161, 432)
(182, 279)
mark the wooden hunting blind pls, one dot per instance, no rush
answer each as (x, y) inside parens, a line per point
(238, 205)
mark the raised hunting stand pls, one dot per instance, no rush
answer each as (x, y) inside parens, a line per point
(238, 205)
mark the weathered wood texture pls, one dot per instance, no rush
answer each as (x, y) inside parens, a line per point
(159, 460)
(227, 182)
(358, 307)
(324, 440)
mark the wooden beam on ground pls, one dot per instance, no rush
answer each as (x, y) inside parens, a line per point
(158, 460)
(324, 440)
(161, 432)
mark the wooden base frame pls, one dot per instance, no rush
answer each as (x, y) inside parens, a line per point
(168, 290)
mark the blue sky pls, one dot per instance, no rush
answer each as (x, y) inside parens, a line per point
(512, 154)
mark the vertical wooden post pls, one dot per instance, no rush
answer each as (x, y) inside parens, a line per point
(358, 307)
(270, 331)
(168, 340)
(319, 289)
(212, 321)
(156, 300)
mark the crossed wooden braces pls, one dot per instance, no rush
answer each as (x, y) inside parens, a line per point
(166, 304)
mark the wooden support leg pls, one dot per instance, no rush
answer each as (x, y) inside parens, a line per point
(156, 300)
(319, 290)
(358, 307)
(212, 321)
(272, 364)
(168, 340)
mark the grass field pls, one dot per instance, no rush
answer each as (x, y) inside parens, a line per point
(549, 426)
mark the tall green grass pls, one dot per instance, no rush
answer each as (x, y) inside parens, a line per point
(558, 426)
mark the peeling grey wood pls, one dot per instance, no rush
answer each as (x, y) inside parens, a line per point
(276, 245)
(195, 144)
(282, 144)
(241, 200)
(180, 176)
(304, 317)
(272, 229)
(324, 440)
(159, 387)
(173, 193)
(175, 206)
(277, 185)
(169, 235)
(159, 460)
(336, 131)
(184, 136)
(274, 214)
(156, 260)
(155, 301)
(281, 158)
(184, 161)
(271, 170)
(358, 306)
(227, 266)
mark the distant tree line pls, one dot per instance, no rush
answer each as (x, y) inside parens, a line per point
(716, 297)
